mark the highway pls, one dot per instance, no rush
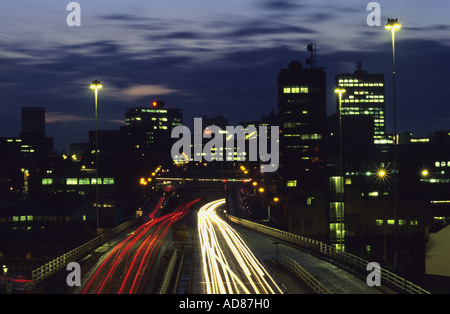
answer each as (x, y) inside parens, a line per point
(219, 257)
(229, 266)
(126, 268)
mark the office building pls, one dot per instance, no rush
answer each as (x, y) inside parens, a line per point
(302, 117)
(363, 97)
(33, 131)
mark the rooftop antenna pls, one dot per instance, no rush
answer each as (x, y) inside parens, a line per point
(312, 60)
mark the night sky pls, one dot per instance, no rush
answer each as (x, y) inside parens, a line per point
(211, 58)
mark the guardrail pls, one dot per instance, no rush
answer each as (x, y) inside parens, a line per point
(60, 262)
(350, 260)
(168, 274)
(311, 283)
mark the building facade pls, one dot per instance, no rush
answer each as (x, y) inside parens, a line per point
(363, 97)
(302, 121)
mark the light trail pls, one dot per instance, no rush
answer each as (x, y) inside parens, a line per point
(242, 273)
(126, 268)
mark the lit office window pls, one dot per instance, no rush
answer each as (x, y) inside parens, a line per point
(72, 181)
(47, 181)
(108, 181)
(83, 181)
(291, 183)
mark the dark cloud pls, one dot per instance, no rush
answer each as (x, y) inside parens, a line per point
(227, 68)
(123, 17)
(269, 29)
(280, 5)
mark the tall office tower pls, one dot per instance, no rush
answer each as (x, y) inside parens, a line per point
(302, 184)
(33, 131)
(33, 121)
(302, 118)
(364, 96)
(147, 130)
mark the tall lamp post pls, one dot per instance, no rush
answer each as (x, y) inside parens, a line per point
(340, 91)
(96, 85)
(393, 25)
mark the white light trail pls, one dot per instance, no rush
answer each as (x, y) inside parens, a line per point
(242, 273)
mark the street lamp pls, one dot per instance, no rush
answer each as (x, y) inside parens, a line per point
(5, 270)
(340, 91)
(96, 85)
(382, 174)
(424, 173)
(393, 25)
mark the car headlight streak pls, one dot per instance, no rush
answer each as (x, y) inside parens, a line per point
(238, 272)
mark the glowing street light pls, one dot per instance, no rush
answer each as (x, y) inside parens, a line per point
(424, 173)
(393, 25)
(96, 85)
(340, 91)
(382, 173)
(261, 190)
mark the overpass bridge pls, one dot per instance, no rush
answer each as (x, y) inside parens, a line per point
(298, 264)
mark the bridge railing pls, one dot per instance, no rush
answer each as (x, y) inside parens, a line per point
(307, 279)
(345, 258)
(60, 262)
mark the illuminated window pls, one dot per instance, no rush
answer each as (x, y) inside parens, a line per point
(402, 222)
(414, 222)
(83, 181)
(336, 210)
(379, 222)
(291, 183)
(47, 181)
(336, 230)
(71, 181)
(287, 90)
(391, 222)
(311, 136)
(94, 181)
(108, 181)
(304, 90)
(373, 194)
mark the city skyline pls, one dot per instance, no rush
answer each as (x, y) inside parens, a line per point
(209, 59)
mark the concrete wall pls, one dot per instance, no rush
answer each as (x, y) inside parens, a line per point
(437, 259)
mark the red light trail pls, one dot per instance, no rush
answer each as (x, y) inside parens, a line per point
(126, 268)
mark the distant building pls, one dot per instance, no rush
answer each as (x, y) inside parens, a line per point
(33, 131)
(148, 129)
(363, 97)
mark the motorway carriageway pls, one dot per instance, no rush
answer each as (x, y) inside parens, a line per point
(126, 268)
